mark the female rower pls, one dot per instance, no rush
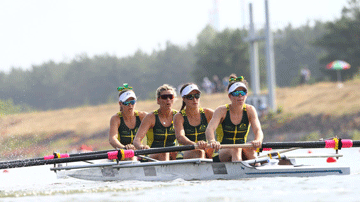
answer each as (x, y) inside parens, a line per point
(159, 124)
(124, 124)
(234, 121)
(191, 122)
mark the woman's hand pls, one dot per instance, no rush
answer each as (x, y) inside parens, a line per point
(215, 145)
(256, 143)
(142, 147)
(130, 147)
(202, 144)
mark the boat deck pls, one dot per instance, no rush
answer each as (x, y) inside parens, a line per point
(190, 169)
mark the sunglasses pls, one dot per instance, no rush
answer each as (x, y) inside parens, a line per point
(129, 102)
(166, 96)
(191, 97)
(237, 93)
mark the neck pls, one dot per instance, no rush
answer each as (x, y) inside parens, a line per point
(128, 114)
(235, 107)
(164, 111)
(192, 110)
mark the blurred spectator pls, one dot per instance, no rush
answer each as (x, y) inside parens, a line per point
(207, 85)
(225, 83)
(263, 109)
(305, 75)
(217, 84)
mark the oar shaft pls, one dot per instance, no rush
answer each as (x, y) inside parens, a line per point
(108, 154)
(25, 163)
(54, 157)
(343, 143)
(165, 149)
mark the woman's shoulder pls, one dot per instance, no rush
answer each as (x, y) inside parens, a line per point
(249, 107)
(221, 108)
(115, 118)
(142, 114)
(208, 110)
(178, 117)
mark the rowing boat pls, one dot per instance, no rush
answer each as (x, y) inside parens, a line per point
(274, 164)
(193, 169)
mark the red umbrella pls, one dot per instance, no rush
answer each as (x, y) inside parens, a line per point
(338, 65)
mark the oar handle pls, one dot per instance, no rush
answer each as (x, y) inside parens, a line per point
(334, 143)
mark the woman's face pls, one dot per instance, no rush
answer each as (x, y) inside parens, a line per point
(166, 99)
(128, 105)
(192, 99)
(238, 96)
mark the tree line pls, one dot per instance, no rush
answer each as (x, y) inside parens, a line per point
(93, 80)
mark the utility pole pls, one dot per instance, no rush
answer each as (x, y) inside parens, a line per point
(270, 64)
(256, 98)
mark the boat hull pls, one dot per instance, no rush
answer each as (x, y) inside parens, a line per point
(191, 169)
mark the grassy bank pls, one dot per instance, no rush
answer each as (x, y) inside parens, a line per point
(318, 110)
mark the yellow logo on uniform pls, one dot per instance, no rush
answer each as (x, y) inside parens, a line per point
(242, 126)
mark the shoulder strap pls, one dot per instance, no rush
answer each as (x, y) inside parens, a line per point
(119, 114)
(156, 112)
(201, 110)
(174, 112)
(227, 107)
(244, 107)
(183, 112)
(136, 113)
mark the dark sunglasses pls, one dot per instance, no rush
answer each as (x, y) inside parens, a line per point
(166, 96)
(190, 97)
(237, 93)
(129, 102)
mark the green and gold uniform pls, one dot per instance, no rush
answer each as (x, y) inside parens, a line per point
(195, 133)
(228, 133)
(125, 134)
(160, 136)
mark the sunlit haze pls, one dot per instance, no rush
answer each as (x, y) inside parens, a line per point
(34, 32)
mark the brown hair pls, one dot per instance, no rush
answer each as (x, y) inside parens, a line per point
(164, 87)
(232, 82)
(181, 89)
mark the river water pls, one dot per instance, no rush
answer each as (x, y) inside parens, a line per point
(41, 184)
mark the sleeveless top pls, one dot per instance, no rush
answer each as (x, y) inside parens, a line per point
(160, 136)
(228, 133)
(125, 134)
(195, 133)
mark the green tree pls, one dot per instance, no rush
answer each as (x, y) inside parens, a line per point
(221, 54)
(294, 50)
(342, 40)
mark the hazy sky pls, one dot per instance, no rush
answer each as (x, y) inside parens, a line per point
(36, 31)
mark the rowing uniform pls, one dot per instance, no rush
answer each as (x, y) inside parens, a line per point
(125, 134)
(160, 136)
(195, 133)
(228, 133)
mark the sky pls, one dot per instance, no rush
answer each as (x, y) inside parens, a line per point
(37, 31)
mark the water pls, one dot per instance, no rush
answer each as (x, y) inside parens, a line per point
(41, 184)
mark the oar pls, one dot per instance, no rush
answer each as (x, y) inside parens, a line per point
(334, 143)
(122, 154)
(282, 151)
(109, 154)
(106, 154)
(56, 155)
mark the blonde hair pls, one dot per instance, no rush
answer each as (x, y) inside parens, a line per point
(165, 87)
(232, 82)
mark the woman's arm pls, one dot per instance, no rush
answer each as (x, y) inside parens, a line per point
(147, 123)
(256, 126)
(216, 119)
(142, 115)
(179, 130)
(209, 114)
(113, 132)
